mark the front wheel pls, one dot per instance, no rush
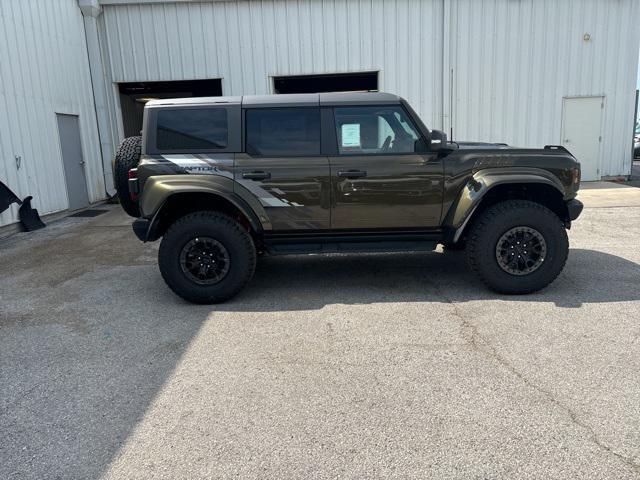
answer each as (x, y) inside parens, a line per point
(517, 247)
(206, 257)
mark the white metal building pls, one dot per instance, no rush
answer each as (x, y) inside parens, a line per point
(44, 71)
(524, 72)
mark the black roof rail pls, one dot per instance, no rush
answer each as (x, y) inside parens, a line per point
(557, 147)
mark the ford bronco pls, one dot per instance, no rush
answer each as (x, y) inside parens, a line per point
(224, 179)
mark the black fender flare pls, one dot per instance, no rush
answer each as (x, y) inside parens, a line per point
(481, 183)
(158, 190)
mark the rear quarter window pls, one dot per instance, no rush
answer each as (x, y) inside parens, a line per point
(183, 129)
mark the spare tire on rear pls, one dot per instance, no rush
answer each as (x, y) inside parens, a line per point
(127, 157)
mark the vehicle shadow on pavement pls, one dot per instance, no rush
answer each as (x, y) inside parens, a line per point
(311, 282)
(89, 334)
(78, 378)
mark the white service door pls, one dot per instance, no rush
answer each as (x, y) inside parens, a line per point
(581, 132)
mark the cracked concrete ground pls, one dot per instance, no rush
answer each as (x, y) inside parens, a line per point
(339, 366)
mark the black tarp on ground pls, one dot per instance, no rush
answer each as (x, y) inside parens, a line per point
(7, 197)
(29, 217)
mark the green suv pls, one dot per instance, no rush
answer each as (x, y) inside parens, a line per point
(224, 179)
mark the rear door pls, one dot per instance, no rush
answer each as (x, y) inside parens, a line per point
(283, 167)
(71, 147)
(382, 175)
(582, 132)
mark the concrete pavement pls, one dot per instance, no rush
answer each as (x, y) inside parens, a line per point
(353, 366)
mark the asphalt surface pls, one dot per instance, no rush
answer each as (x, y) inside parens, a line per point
(358, 366)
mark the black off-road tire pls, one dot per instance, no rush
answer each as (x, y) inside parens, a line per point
(225, 230)
(500, 218)
(127, 157)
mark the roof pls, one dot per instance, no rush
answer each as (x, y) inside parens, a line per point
(193, 101)
(298, 99)
(357, 97)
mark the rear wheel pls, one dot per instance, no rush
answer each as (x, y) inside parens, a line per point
(127, 157)
(517, 247)
(206, 257)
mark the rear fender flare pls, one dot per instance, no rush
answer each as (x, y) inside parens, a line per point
(157, 190)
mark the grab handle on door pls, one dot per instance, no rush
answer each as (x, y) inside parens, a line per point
(257, 175)
(352, 173)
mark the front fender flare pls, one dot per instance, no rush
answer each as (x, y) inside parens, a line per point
(481, 183)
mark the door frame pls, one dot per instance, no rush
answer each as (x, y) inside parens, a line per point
(562, 125)
(82, 149)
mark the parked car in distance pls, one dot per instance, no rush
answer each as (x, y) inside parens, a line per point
(223, 179)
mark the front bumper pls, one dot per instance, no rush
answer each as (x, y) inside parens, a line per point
(574, 207)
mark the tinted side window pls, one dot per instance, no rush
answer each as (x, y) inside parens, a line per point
(375, 130)
(283, 131)
(192, 129)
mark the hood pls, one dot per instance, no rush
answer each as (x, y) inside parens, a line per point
(477, 145)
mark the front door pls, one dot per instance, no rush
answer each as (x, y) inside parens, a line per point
(71, 148)
(581, 132)
(283, 167)
(382, 176)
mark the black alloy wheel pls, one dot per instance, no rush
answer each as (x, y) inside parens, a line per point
(521, 250)
(204, 260)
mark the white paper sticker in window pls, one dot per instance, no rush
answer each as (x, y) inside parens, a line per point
(351, 135)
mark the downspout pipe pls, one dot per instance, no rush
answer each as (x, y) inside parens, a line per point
(91, 10)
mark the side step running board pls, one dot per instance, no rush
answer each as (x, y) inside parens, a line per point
(351, 247)
(299, 244)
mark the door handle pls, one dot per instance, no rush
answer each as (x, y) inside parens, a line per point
(257, 175)
(352, 173)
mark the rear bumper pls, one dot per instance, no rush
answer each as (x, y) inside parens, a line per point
(574, 207)
(141, 228)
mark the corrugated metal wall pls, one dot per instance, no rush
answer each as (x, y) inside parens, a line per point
(245, 43)
(513, 60)
(44, 70)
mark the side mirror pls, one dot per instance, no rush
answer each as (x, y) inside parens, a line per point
(438, 140)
